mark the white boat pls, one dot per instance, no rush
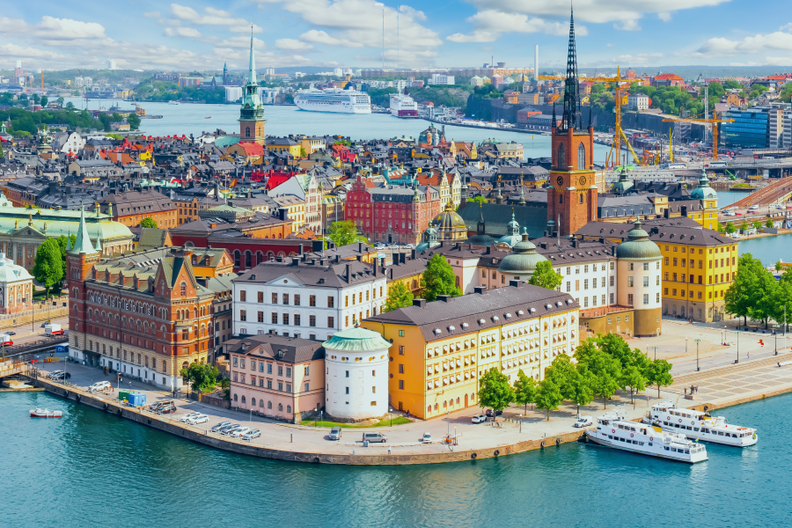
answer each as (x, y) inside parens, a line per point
(403, 106)
(173, 102)
(701, 425)
(45, 413)
(333, 100)
(614, 430)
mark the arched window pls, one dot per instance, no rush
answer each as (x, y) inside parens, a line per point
(261, 403)
(561, 158)
(259, 257)
(253, 401)
(243, 399)
(247, 131)
(581, 197)
(237, 258)
(280, 407)
(248, 260)
(288, 409)
(269, 405)
(581, 157)
(183, 289)
(235, 397)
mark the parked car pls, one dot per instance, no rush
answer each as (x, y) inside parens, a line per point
(61, 376)
(335, 433)
(237, 433)
(188, 416)
(374, 437)
(255, 433)
(219, 426)
(229, 429)
(99, 386)
(196, 420)
(167, 409)
(479, 418)
(54, 373)
(584, 421)
(156, 406)
(490, 413)
(426, 438)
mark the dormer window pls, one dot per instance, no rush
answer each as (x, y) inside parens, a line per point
(183, 289)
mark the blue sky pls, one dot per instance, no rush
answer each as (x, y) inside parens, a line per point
(199, 34)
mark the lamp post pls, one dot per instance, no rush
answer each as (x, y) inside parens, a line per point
(448, 423)
(686, 346)
(697, 355)
(738, 348)
(390, 415)
(321, 417)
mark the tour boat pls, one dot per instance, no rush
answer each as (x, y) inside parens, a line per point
(701, 425)
(614, 430)
(45, 413)
(403, 106)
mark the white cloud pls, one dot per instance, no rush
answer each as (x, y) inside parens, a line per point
(639, 59)
(321, 37)
(627, 25)
(413, 13)
(212, 17)
(489, 24)
(476, 36)
(664, 16)
(152, 14)
(13, 52)
(292, 44)
(755, 45)
(183, 32)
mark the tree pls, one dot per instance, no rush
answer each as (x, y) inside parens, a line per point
(495, 391)
(549, 396)
(134, 121)
(106, 120)
(59, 101)
(601, 369)
(439, 279)
(545, 276)
(69, 106)
(477, 199)
(44, 101)
(730, 228)
(149, 223)
(202, 377)
(633, 378)
(752, 294)
(48, 267)
(659, 374)
(399, 296)
(62, 242)
(779, 266)
(769, 222)
(524, 390)
(344, 233)
(757, 225)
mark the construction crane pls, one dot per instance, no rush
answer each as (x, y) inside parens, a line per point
(714, 122)
(614, 155)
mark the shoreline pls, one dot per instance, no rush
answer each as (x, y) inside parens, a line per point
(275, 452)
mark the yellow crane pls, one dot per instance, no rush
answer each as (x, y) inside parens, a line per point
(614, 155)
(714, 122)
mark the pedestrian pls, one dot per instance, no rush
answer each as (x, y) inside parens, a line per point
(749, 355)
(389, 452)
(685, 391)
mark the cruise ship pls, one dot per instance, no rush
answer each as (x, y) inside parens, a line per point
(701, 425)
(403, 106)
(333, 100)
(614, 430)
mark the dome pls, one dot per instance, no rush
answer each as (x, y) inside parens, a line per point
(480, 240)
(449, 219)
(356, 340)
(429, 240)
(704, 191)
(523, 258)
(624, 184)
(512, 235)
(638, 246)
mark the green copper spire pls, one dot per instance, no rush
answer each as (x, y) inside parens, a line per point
(83, 242)
(252, 72)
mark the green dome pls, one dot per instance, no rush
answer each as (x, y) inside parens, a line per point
(624, 184)
(638, 246)
(704, 191)
(512, 235)
(429, 240)
(356, 340)
(522, 259)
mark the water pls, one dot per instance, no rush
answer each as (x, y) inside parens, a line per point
(94, 469)
(284, 120)
(768, 249)
(726, 198)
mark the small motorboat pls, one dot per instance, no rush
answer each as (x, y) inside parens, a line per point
(210, 117)
(45, 413)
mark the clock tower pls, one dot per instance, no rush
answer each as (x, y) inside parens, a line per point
(573, 195)
(251, 115)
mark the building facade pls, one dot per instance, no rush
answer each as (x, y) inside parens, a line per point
(16, 287)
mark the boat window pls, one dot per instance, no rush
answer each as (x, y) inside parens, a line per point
(695, 428)
(665, 447)
(650, 444)
(640, 443)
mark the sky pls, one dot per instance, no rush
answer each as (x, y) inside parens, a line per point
(147, 34)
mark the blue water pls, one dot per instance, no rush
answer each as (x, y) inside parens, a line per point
(726, 198)
(93, 469)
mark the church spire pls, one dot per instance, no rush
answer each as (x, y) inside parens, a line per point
(83, 242)
(252, 72)
(572, 116)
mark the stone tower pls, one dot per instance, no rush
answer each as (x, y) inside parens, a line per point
(573, 195)
(251, 115)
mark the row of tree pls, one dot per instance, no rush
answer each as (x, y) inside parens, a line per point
(755, 293)
(744, 226)
(604, 364)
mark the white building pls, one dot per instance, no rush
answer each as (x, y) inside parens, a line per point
(441, 79)
(356, 375)
(111, 64)
(16, 287)
(338, 72)
(268, 95)
(639, 102)
(73, 144)
(305, 298)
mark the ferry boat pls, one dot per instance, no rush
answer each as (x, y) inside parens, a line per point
(403, 106)
(701, 425)
(45, 413)
(333, 100)
(614, 430)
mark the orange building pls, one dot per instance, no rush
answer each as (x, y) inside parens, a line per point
(132, 207)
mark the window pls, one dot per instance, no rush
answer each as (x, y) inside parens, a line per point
(331, 322)
(242, 315)
(657, 299)
(306, 387)
(646, 282)
(331, 303)
(260, 318)
(269, 368)
(285, 298)
(274, 298)
(285, 318)
(401, 350)
(280, 386)
(311, 320)
(296, 319)
(581, 157)
(612, 279)
(288, 389)
(585, 284)
(629, 299)
(346, 391)
(242, 295)
(401, 368)
(401, 333)
(401, 384)
(646, 266)
(657, 280)
(646, 298)
(260, 296)
(346, 300)
(274, 318)
(296, 300)
(312, 300)
(183, 289)
(630, 281)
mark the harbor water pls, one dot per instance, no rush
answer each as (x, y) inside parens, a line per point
(91, 468)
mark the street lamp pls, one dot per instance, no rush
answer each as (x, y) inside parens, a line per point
(119, 382)
(321, 417)
(697, 355)
(448, 423)
(390, 414)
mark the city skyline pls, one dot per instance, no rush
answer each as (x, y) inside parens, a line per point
(350, 33)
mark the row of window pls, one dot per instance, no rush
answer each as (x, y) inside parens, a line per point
(261, 404)
(285, 298)
(724, 277)
(287, 320)
(691, 294)
(594, 283)
(631, 281)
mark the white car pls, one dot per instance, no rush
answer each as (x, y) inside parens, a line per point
(189, 416)
(255, 433)
(426, 438)
(584, 421)
(195, 420)
(240, 432)
(99, 386)
(479, 418)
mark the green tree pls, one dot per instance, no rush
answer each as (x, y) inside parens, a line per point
(149, 223)
(106, 120)
(439, 279)
(62, 242)
(69, 106)
(601, 369)
(779, 266)
(549, 396)
(730, 228)
(545, 276)
(524, 390)
(399, 296)
(769, 222)
(59, 101)
(134, 121)
(477, 199)
(753, 292)
(48, 267)
(344, 233)
(659, 374)
(202, 377)
(44, 101)
(757, 225)
(633, 378)
(731, 84)
(495, 391)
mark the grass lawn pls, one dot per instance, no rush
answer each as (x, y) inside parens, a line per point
(397, 420)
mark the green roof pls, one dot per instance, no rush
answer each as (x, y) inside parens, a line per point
(356, 340)
(638, 246)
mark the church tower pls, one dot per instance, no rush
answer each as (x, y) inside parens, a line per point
(251, 116)
(80, 260)
(573, 195)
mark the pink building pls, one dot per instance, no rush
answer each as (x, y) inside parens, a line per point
(276, 376)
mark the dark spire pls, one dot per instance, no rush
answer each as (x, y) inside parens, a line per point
(572, 118)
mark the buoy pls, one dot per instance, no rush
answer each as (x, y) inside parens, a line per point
(558, 441)
(497, 452)
(473, 456)
(542, 444)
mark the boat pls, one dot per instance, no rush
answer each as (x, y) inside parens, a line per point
(403, 106)
(614, 430)
(701, 425)
(333, 100)
(45, 413)
(173, 102)
(210, 117)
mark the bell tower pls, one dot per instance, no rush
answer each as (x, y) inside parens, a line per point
(80, 260)
(251, 115)
(573, 195)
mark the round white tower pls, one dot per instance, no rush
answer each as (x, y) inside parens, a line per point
(356, 373)
(639, 269)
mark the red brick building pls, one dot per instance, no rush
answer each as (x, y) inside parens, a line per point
(392, 214)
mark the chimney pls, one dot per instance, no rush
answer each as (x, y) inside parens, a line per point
(684, 210)
(443, 298)
(375, 269)
(360, 247)
(479, 290)
(360, 258)
(516, 284)
(346, 275)
(402, 258)
(667, 212)
(420, 303)
(412, 254)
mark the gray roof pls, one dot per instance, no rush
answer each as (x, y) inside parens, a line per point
(494, 307)
(313, 273)
(278, 348)
(532, 216)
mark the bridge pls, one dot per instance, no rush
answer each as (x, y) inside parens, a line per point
(778, 191)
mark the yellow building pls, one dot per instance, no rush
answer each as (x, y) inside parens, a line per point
(295, 208)
(440, 350)
(708, 216)
(285, 144)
